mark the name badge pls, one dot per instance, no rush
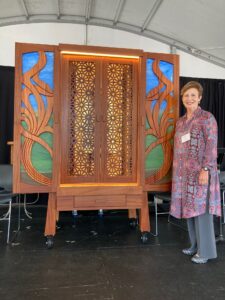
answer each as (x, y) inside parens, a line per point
(186, 137)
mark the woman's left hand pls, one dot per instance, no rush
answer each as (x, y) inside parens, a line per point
(203, 177)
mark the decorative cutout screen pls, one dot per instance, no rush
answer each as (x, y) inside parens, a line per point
(101, 124)
(81, 149)
(119, 105)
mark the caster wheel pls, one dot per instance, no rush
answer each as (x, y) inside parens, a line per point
(133, 223)
(144, 237)
(74, 213)
(49, 241)
(100, 213)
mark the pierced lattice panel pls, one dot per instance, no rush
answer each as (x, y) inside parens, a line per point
(119, 161)
(82, 119)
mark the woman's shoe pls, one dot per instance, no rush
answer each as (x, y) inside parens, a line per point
(189, 251)
(199, 260)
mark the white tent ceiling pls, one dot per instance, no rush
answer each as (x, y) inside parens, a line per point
(194, 26)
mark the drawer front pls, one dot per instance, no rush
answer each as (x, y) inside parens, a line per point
(65, 203)
(107, 201)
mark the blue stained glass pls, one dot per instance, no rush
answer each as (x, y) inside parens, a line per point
(47, 73)
(33, 102)
(162, 89)
(153, 103)
(163, 105)
(33, 82)
(29, 60)
(152, 80)
(44, 100)
(167, 69)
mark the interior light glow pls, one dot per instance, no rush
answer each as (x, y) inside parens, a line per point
(99, 54)
(70, 185)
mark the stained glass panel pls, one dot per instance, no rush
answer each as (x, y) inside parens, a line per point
(159, 120)
(37, 87)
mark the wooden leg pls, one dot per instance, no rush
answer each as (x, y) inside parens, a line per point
(50, 225)
(144, 215)
(57, 216)
(132, 213)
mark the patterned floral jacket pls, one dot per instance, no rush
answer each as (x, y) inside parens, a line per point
(189, 198)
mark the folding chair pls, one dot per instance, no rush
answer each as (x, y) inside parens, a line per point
(222, 188)
(7, 197)
(160, 199)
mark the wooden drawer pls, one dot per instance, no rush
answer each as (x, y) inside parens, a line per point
(101, 201)
(135, 201)
(65, 203)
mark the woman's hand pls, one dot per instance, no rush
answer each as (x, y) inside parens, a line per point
(203, 177)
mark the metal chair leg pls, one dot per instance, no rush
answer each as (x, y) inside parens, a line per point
(223, 200)
(156, 218)
(9, 220)
(18, 221)
(19, 212)
(220, 238)
(9, 213)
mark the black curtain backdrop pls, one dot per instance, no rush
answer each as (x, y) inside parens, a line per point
(6, 111)
(213, 100)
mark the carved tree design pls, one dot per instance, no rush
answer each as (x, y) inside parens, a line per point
(36, 122)
(160, 122)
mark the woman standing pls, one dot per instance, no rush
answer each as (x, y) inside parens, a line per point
(195, 183)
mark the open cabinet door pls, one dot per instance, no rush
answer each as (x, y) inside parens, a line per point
(161, 110)
(33, 118)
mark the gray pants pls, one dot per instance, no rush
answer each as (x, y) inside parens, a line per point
(202, 236)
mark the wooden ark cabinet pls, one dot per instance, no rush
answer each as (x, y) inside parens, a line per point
(93, 127)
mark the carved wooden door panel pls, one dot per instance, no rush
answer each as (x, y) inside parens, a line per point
(161, 109)
(119, 121)
(34, 119)
(79, 123)
(99, 119)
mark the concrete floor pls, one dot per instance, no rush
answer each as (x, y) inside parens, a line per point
(103, 258)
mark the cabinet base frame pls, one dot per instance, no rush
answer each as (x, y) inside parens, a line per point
(95, 202)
